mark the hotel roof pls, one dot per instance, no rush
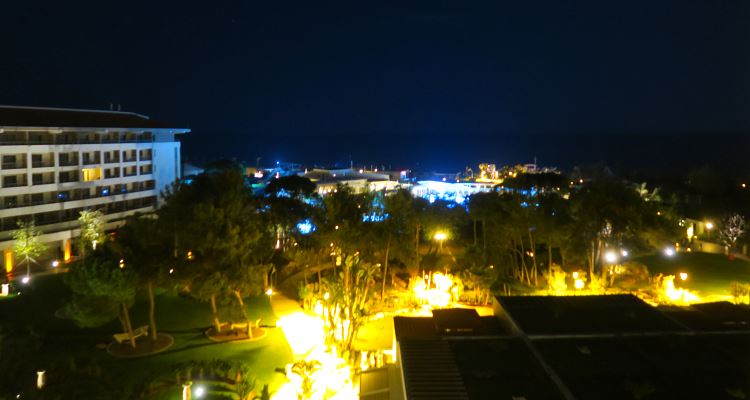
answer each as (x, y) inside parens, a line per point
(19, 116)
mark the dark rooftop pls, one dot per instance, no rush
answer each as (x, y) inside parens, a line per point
(74, 118)
(572, 315)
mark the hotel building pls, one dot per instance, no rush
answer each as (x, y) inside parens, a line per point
(55, 163)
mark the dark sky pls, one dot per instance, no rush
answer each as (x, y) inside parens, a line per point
(442, 83)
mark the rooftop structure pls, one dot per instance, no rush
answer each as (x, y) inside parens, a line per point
(58, 162)
(576, 347)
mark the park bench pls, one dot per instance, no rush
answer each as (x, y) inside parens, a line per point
(122, 337)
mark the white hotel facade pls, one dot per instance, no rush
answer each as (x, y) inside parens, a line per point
(55, 163)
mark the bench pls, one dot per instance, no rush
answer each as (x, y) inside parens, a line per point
(122, 337)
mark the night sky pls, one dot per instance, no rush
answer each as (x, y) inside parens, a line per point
(441, 84)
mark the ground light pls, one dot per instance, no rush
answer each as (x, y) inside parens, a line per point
(26, 279)
(55, 264)
(269, 291)
(199, 391)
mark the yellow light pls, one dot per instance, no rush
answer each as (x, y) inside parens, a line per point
(683, 276)
(68, 252)
(744, 185)
(189, 255)
(302, 331)
(440, 236)
(8, 261)
(122, 263)
(579, 283)
(575, 275)
(269, 291)
(610, 257)
(709, 225)
(690, 232)
(677, 295)
(91, 174)
(326, 296)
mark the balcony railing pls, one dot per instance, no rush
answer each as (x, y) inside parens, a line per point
(14, 165)
(111, 160)
(42, 164)
(14, 184)
(89, 161)
(68, 163)
(130, 159)
(73, 197)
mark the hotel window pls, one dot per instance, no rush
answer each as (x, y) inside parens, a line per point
(91, 174)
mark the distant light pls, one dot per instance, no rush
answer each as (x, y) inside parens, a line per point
(171, 271)
(579, 283)
(743, 185)
(658, 213)
(610, 257)
(122, 263)
(709, 225)
(624, 252)
(199, 391)
(669, 252)
(440, 236)
(305, 227)
(26, 279)
(361, 170)
(575, 275)
(55, 264)
(580, 181)
(326, 296)
(683, 276)
(269, 291)
(376, 170)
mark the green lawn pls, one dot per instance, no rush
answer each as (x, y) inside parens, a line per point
(709, 274)
(183, 318)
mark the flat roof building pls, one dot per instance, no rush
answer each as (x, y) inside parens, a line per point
(56, 162)
(575, 347)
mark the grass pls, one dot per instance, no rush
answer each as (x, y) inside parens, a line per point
(184, 318)
(709, 274)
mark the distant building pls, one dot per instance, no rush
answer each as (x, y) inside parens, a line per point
(359, 180)
(58, 162)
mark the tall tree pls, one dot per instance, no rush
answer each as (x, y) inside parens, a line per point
(146, 249)
(92, 229)
(27, 243)
(226, 231)
(102, 291)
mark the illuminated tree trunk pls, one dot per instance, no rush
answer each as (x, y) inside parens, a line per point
(385, 267)
(215, 312)
(126, 318)
(151, 311)
(238, 295)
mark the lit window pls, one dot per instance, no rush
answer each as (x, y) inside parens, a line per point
(91, 174)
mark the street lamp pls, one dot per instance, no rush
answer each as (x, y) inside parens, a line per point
(610, 257)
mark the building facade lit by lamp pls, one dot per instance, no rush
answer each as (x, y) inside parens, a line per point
(58, 162)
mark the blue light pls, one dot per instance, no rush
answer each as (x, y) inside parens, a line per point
(105, 192)
(305, 227)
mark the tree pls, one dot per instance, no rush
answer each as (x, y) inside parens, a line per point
(92, 229)
(227, 233)
(349, 297)
(731, 229)
(146, 249)
(394, 233)
(27, 243)
(102, 290)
